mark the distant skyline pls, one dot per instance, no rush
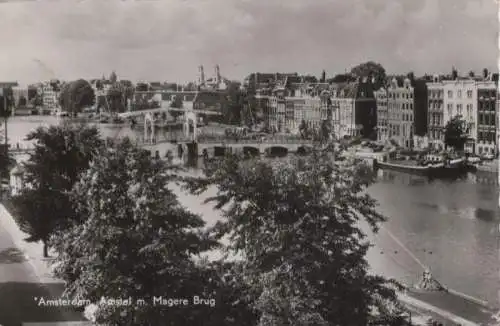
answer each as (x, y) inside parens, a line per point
(167, 40)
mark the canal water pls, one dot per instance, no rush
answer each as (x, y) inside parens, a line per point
(450, 226)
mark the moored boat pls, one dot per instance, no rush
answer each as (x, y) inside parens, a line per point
(448, 168)
(407, 168)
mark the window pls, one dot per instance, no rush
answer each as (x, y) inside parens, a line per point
(450, 94)
(469, 94)
(459, 93)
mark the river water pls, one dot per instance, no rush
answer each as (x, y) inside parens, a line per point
(450, 226)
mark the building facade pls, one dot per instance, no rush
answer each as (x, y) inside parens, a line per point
(290, 103)
(435, 114)
(400, 101)
(382, 115)
(460, 100)
(470, 100)
(49, 94)
(354, 109)
(486, 118)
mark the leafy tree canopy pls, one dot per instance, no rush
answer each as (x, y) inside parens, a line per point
(295, 224)
(136, 240)
(370, 69)
(6, 102)
(342, 78)
(61, 154)
(455, 133)
(76, 95)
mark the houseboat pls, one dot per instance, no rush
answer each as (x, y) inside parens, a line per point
(435, 169)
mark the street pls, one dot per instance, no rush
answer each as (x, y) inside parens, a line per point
(20, 290)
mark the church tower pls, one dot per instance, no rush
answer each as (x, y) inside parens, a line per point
(201, 80)
(217, 74)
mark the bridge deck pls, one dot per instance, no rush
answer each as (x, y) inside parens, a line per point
(159, 110)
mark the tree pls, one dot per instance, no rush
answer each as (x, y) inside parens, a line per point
(342, 78)
(455, 134)
(232, 111)
(7, 101)
(323, 77)
(411, 76)
(176, 104)
(61, 154)
(116, 98)
(135, 240)
(141, 87)
(113, 78)
(454, 73)
(370, 70)
(22, 102)
(32, 92)
(472, 74)
(76, 95)
(295, 224)
(485, 73)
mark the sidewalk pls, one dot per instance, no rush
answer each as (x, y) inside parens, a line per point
(33, 253)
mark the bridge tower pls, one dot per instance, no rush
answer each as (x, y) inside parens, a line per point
(190, 118)
(149, 128)
(201, 77)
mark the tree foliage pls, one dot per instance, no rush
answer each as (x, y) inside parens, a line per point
(7, 102)
(240, 107)
(323, 77)
(295, 224)
(342, 78)
(455, 133)
(61, 154)
(370, 69)
(76, 95)
(176, 104)
(136, 240)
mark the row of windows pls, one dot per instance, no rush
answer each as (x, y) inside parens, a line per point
(459, 109)
(486, 119)
(459, 93)
(436, 134)
(486, 106)
(395, 95)
(486, 136)
(403, 106)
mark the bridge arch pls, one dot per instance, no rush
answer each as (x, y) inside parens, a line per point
(149, 128)
(220, 151)
(304, 150)
(276, 151)
(251, 151)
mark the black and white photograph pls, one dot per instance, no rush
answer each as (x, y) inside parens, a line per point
(249, 163)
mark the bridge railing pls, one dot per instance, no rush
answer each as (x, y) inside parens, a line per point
(18, 147)
(219, 139)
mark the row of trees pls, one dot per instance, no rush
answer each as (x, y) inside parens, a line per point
(119, 230)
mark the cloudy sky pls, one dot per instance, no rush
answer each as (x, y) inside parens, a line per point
(167, 39)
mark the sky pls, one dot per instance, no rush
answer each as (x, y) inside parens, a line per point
(166, 40)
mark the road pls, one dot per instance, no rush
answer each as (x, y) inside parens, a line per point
(20, 289)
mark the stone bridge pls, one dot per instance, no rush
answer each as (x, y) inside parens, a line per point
(216, 148)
